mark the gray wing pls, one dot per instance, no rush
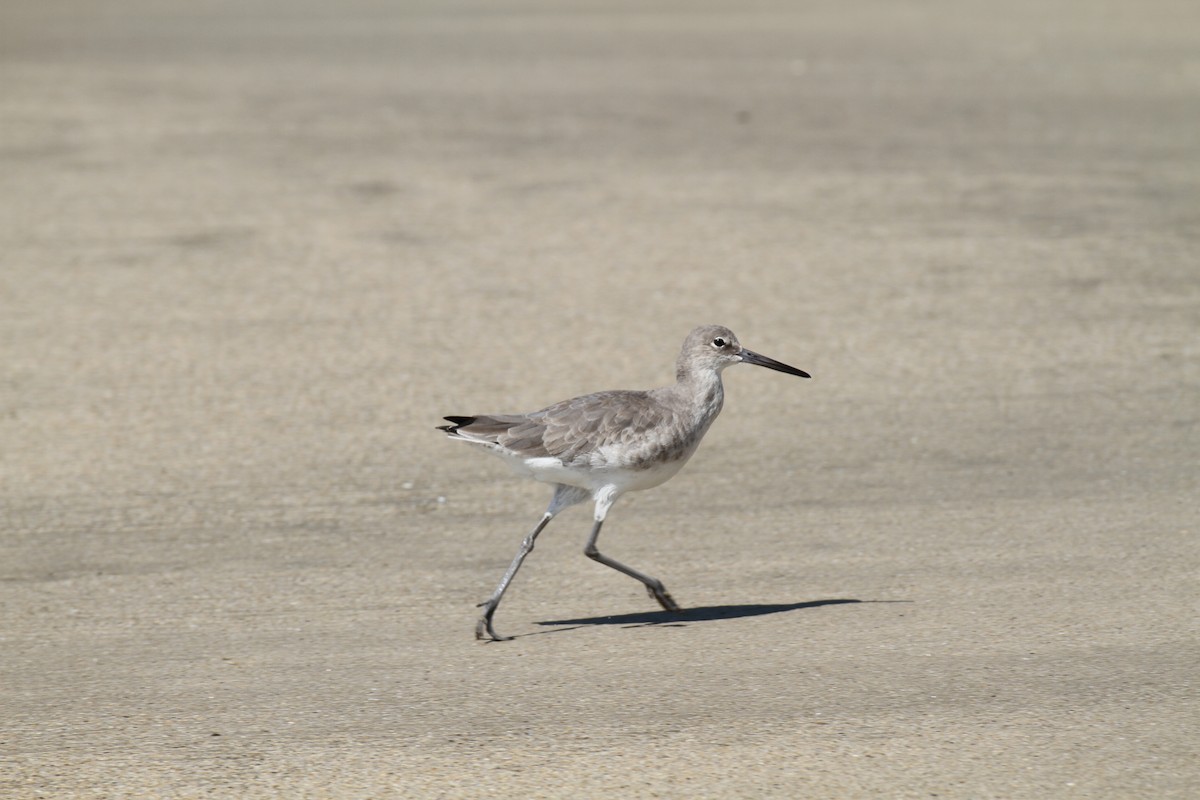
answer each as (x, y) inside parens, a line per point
(570, 430)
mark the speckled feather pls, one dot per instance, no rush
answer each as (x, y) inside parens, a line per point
(580, 432)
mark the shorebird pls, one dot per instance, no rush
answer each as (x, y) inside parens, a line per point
(601, 445)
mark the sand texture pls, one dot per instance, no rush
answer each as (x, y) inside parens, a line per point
(251, 252)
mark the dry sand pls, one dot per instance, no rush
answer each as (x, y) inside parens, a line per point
(251, 252)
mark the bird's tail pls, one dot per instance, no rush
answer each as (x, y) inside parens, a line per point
(483, 429)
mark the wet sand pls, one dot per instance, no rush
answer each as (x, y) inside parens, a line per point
(251, 253)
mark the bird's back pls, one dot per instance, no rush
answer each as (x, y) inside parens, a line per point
(593, 430)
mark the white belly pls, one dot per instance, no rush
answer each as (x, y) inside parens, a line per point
(599, 473)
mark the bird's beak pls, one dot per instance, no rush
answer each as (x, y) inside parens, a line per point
(751, 357)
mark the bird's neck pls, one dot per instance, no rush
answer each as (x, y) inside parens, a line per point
(702, 393)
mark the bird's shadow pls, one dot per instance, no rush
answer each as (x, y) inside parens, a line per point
(700, 614)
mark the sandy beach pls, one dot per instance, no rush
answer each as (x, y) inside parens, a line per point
(250, 253)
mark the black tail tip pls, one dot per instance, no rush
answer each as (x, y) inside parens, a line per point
(458, 422)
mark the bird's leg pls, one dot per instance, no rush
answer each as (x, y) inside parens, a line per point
(653, 585)
(564, 496)
(489, 606)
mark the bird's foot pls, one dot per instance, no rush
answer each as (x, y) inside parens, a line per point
(484, 629)
(663, 597)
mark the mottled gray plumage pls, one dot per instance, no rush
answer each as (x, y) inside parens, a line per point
(574, 429)
(604, 444)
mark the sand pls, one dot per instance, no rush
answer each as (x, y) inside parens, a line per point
(250, 253)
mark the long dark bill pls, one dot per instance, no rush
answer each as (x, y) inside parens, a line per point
(751, 357)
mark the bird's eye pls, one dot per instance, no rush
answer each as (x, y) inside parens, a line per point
(719, 343)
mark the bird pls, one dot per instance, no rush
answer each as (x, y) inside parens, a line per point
(600, 446)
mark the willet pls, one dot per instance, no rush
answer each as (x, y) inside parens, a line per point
(602, 445)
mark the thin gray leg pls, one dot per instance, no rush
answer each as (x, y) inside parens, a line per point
(563, 496)
(653, 585)
(489, 605)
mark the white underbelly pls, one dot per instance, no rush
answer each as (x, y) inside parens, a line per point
(594, 477)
